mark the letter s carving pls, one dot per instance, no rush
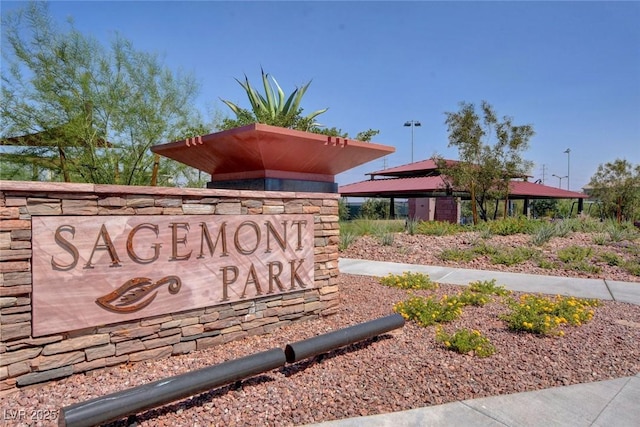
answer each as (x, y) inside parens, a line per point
(67, 246)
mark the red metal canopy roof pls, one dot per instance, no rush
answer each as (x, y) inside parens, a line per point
(434, 185)
(411, 169)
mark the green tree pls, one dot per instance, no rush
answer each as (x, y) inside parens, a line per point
(375, 209)
(544, 207)
(84, 112)
(343, 209)
(617, 185)
(490, 155)
(367, 135)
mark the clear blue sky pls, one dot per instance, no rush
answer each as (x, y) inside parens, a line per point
(571, 69)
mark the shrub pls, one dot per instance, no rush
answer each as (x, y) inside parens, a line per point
(343, 209)
(409, 280)
(361, 226)
(573, 254)
(589, 224)
(546, 264)
(346, 239)
(543, 315)
(511, 225)
(486, 234)
(386, 239)
(457, 255)
(364, 226)
(513, 256)
(543, 234)
(484, 249)
(565, 227)
(610, 258)
(599, 239)
(585, 266)
(465, 341)
(469, 297)
(616, 234)
(428, 311)
(488, 287)
(375, 209)
(387, 226)
(623, 231)
(632, 267)
(437, 228)
(411, 226)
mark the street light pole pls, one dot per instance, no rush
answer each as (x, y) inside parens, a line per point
(412, 123)
(568, 153)
(560, 178)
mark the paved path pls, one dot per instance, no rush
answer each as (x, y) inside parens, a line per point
(604, 403)
(583, 288)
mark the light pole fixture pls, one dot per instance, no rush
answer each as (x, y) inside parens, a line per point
(568, 153)
(412, 123)
(560, 178)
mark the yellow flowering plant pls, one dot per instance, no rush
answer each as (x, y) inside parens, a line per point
(466, 341)
(544, 315)
(428, 311)
(409, 280)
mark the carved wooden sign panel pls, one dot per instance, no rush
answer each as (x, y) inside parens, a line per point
(90, 271)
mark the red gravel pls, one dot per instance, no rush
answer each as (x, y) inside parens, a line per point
(426, 250)
(401, 370)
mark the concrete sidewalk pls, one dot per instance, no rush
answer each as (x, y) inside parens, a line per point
(604, 403)
(583, 288)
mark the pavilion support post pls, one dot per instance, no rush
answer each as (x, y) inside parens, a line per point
(392, 208)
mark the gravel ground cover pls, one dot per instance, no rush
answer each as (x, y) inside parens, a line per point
(401, 370)
(427, 250)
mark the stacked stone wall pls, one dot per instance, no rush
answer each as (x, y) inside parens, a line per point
(25, 359)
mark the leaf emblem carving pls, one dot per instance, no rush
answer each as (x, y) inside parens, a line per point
(137, 293)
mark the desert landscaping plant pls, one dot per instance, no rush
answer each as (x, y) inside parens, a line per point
(426, 311)
(477, 245)
(438, 228)
(543, 234)
(411, 226)
(488, 287)
(511, 225)
(633, 267)
(455, 254)
(466, 341)
(272, 108)
(409, 280)
(346, 238)
(386, 239)
(543, 315)
(513, 256)
(574, 254)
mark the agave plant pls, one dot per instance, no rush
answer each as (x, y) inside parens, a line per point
(272, 108)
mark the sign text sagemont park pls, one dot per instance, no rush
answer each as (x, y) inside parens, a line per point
(90, 271)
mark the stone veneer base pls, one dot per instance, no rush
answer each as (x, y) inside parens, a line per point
(26, 360)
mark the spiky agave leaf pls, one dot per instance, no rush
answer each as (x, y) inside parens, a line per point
(272, 107)
(234, 107)
(255, 99)
(280, 96)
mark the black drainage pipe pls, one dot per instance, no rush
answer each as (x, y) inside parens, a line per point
(332, 340)
(134, 400)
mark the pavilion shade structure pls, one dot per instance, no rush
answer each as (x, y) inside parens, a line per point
(422, 179)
